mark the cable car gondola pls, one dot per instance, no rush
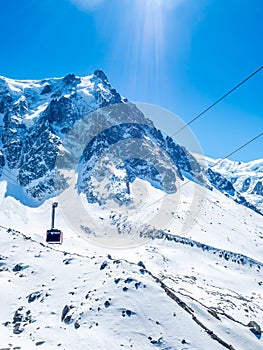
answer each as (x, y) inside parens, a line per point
(54, 235)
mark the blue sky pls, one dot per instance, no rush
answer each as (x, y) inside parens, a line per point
(178, 54)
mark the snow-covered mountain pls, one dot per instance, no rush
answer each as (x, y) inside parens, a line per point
(42, 126)
(246, 178)
(201, 291)
(189, 274)
(35, 116)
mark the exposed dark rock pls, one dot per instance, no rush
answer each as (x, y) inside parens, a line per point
(129, 280)
(67, 316)
(46, 90)
(34, 296)
(137, 285)
(255, 328)
(68, 261)
(242, 200)
(220, 182)
(71, 79)
(214, 314)
(155, 342)
(68, 319)
(2, 161)
(5, 102)
(101, 75)
(107, 304)
(129, 313)
(103, 265)
(76, 324)
(40, 343)
(258, 189)
(246, 185)
(21, 318)
(65, 311)
(18, 329)
(19, 267)
(141, 264)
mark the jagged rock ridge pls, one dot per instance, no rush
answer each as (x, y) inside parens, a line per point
(36, 118)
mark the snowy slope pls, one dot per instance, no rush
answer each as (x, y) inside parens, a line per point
(246, 178)
(168, 293)
(156, 253)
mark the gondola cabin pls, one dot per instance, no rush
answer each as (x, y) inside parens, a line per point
(54, 235)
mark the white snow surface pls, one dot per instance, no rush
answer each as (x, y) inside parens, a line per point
(195, 281)
(188, 294)
(240, 173)
(36, 102)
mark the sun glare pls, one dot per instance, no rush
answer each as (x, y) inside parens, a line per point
(168, 4)
(147, 46)
(140, 30)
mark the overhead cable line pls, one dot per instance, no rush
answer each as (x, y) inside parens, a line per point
(211, 106)
(218, 162)
(219, 100)
(238, 149)
(194, 119)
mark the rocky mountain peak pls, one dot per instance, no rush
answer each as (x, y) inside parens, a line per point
(71, 79)
(36, 117)
(102, 76)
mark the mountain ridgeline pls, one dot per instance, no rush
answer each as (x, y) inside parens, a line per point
(38, 119)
